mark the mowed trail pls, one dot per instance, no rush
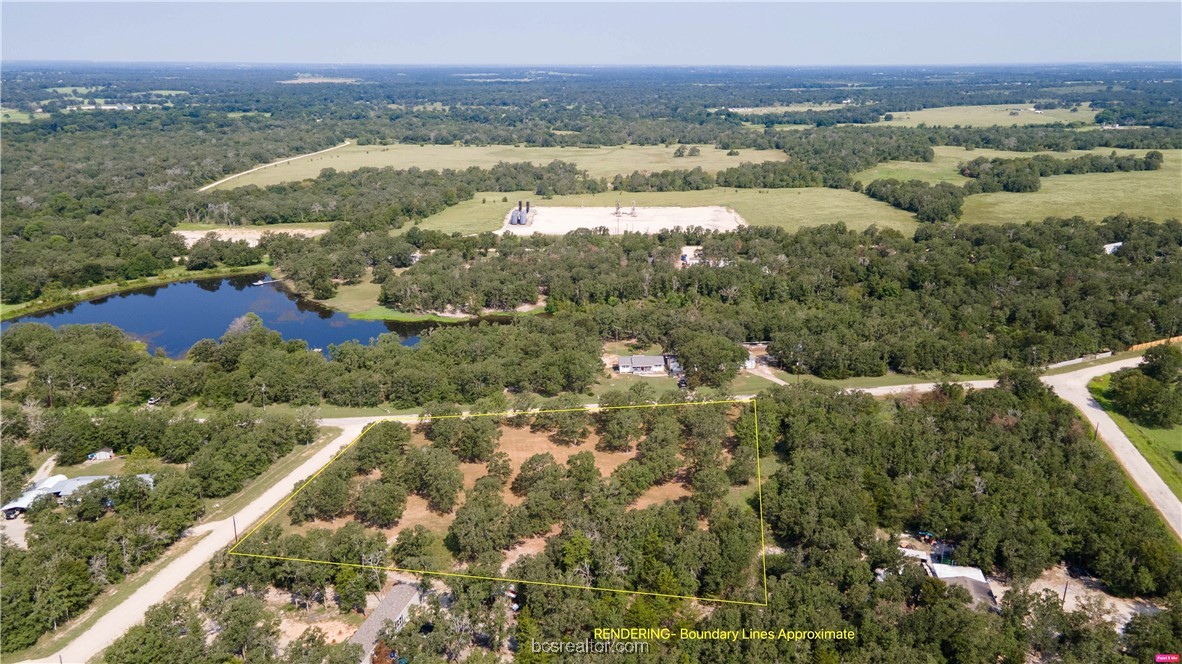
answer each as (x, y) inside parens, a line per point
(274, 163)
(219, 534)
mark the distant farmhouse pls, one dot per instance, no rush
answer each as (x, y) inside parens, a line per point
(58, 486)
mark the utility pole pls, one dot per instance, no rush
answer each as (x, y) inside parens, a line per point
(234, 522)
(263, 389)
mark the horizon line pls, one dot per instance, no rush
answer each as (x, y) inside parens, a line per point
(245, 63)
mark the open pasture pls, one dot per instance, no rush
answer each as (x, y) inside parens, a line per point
(989, 115)
(598, 161)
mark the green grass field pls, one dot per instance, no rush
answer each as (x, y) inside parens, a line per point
(942, 168)
(1155, 194)
(988, 115)
(20, 117)
(1162, 448)
(789, 108)
(598, 161)
(73, 90)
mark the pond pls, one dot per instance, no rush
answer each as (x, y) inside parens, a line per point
(176, 316)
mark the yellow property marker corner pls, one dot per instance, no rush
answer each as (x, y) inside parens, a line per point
(591, 409)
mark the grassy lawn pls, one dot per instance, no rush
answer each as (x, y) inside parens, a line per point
(989, 115)
(1154, 194)
(360, 301)
(769, 463)
(743, 384)
(1162, 448)
(328, 410)
(615, 381)
(356, 298)
(605, 161)
(108, 467)
(873, 381)
(21, 117)
(485, 212)
(942, 168)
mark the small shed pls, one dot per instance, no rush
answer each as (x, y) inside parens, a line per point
(101, 455)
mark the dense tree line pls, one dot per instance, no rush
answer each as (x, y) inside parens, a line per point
(1024, 175)
(930, 202)
(926, 303)
(770, 175)
(94, 366)
(1151, 393)
(950, 457)
(832, 302)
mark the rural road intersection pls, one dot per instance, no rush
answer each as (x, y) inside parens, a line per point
(217, 535)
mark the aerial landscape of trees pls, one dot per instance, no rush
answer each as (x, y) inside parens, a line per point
(658, 500)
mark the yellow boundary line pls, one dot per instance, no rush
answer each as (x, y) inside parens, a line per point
(423, 417)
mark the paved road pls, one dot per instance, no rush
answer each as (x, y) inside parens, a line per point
(219, 534)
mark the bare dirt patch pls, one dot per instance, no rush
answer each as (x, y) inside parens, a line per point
(661, 493)
(418, 514)
(1080, 590)
(251, 235)
(529, 547)
(549, 220)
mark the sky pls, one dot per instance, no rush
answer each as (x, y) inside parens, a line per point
(663, 33)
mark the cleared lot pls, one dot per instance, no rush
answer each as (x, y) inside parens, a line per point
(562, 220)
